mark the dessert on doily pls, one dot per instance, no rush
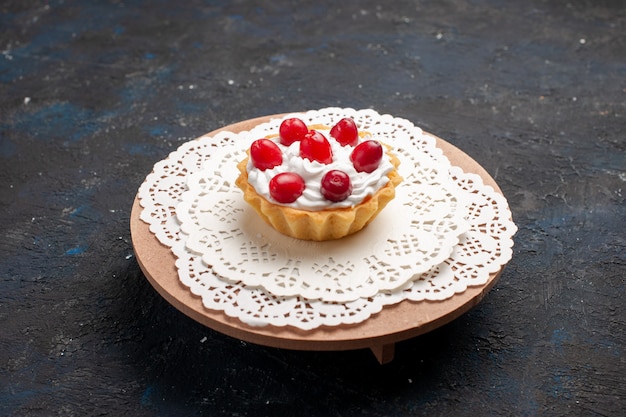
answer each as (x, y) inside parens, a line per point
(443, 232)
(318, 182)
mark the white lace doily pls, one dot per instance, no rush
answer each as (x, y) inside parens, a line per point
(414, 233)
(225, 254)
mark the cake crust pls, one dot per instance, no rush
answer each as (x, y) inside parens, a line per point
(327, 224)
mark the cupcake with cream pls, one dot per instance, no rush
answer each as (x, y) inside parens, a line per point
(318, 182)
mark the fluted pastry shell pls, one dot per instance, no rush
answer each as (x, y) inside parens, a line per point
(319, 225)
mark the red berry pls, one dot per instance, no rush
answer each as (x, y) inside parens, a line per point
(265, 154)
(367, 156)
(336, 185)
(345, 132)
(292, 130)
(286, 187)
(315, 147)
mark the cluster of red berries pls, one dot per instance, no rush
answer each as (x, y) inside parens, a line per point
(286, 187)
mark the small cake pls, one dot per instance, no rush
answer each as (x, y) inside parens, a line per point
(317, 182)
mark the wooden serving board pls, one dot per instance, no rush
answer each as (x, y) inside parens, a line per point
(379, 333)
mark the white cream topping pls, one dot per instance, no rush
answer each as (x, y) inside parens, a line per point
(363, 184)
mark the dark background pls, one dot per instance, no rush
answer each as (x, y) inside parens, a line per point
(93, 93)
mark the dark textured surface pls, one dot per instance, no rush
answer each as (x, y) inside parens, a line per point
(93, 93)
